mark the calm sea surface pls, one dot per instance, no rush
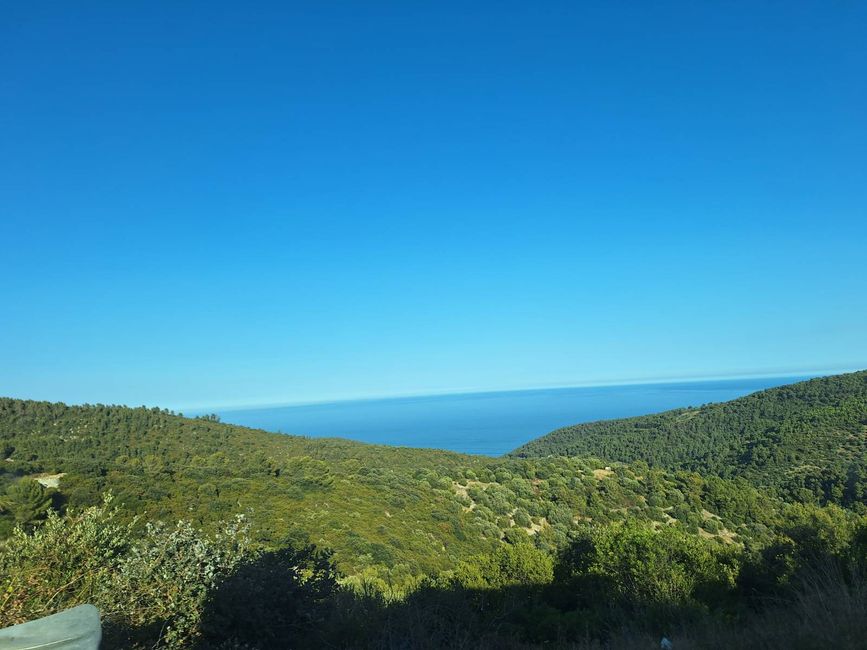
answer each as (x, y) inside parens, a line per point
(487, 423)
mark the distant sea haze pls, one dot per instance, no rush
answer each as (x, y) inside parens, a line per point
(490, 423)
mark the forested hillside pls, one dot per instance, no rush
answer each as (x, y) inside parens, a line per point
(390, 514)
(805, 441)
(194, 533)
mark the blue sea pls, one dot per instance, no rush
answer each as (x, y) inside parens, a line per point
(487, 423)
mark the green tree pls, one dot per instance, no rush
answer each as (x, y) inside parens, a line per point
(27, 501)
(519, 564)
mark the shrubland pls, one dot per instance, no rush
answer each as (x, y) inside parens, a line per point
(621, 585)
(804, 442)
(389, 515)
(194, 533)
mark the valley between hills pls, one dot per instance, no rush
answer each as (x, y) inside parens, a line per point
(606, 532)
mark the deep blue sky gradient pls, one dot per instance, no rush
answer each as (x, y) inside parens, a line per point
(237, 203)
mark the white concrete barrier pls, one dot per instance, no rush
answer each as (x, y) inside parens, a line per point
(75, 629)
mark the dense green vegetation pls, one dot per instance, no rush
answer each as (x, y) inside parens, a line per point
(621, 584)
(194, 533)
(389, 514)
(805, 441)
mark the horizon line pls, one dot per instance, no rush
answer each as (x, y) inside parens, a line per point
(812, 373)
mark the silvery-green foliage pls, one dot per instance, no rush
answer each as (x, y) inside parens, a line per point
(64, 562)
(168, 574)
(146, 584)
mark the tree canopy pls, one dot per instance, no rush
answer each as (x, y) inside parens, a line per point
(805, 441)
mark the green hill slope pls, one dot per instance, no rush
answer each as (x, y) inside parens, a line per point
(388, 513)
(807, 441)
(430, 549)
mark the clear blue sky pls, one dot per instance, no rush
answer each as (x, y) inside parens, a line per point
(208, 203)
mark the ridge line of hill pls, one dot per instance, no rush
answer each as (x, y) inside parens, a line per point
(805, 441)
